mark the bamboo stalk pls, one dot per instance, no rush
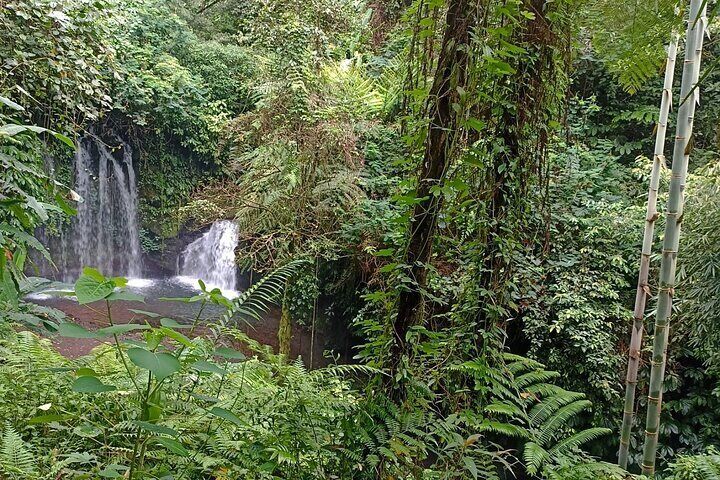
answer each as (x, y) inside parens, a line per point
(643, 289)
(671, 242)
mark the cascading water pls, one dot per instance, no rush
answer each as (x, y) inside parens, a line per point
(211, 257)
(104, 233)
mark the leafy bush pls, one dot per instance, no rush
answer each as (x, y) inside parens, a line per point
(696, 467)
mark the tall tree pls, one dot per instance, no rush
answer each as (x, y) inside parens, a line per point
(643, 289)
(527, 101)
(689, 95)
(450, 76)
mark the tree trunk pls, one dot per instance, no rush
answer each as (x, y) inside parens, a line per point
(522, 127)
(285, 328)
(450, 73)
(643, 288)
(681, 154)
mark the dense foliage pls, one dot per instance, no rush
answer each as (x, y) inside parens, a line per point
(457, 187)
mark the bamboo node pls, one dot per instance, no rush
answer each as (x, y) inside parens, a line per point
(650, 434)
(653, 399)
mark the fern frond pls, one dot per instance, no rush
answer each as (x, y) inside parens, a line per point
(561, 419)
(535, 377)
(574, 441)
(16, 458)
(502, 428)
(505, 408)
(256, 300)
(549, 405)
(534, 457)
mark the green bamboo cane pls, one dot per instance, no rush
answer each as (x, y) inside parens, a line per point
(689, 95)
(643, 288)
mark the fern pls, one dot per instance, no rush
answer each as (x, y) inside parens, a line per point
(633, 48)
(258, 299)
(16, 458)
(535, 457)
(567, 445)
(548, 412)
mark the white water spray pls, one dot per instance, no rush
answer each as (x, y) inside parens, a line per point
(104, 234)
(211, 257)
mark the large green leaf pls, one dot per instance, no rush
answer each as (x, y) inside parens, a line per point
(89, 288)
(162, 365)
(227, 415)
(204, 366)
(155, 428)
(9, 103)
(49, 418)
(172, 445)
(171, 323)
(229, 353)
(120, 329)
(73, 330)
(13, 129)
(177, 336)
(89, 384)
(94, 273)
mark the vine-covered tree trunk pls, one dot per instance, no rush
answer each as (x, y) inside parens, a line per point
(643, 289)
(449, 75)
(671, 241)
(521, 136)
(285, 328)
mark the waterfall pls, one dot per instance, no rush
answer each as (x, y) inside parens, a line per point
(211, 257)
(104, 233)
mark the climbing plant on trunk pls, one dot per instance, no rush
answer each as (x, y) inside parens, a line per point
(442, 130)
(689, 95)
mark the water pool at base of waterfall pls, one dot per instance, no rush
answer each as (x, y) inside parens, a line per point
(153, 291)
(177, 286)
(92, 317)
